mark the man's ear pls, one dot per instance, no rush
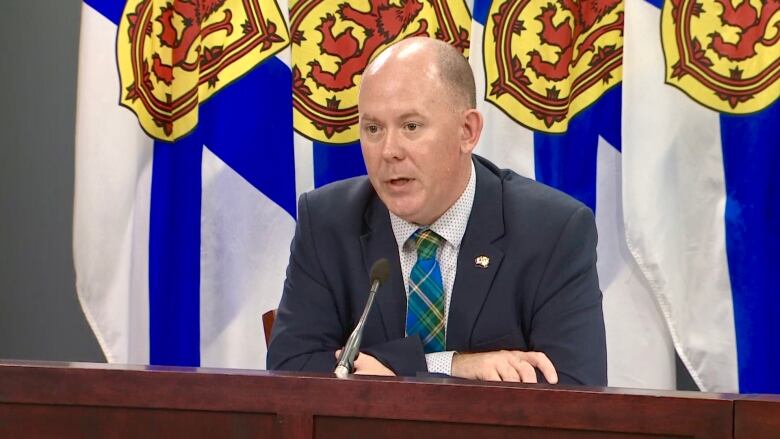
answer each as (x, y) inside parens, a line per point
(471, 129)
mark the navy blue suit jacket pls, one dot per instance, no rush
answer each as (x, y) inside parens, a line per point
(539, 292)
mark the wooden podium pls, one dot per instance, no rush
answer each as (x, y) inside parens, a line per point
(98, 400)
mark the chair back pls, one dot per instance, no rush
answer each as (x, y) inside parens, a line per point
(268, 325)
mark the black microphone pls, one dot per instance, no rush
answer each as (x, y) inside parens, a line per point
(379, 272)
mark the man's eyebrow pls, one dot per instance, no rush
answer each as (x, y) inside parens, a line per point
(409, 114)
(366, 117)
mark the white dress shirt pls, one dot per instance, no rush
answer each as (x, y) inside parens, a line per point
(451, 226)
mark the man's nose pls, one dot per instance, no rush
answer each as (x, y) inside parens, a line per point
(391, 147)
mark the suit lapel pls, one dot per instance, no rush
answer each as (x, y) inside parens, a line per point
(379, 242)
(474, 277)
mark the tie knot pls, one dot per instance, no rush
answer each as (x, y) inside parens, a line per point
(427, 242)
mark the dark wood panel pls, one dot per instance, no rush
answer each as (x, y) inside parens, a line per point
(348, 428)
(433, 402)
(49, 421)
(757, 417)
(295, 425)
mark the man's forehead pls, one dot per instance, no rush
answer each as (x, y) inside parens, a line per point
(400, 79)
(399, 97)
(402, 53)
(401, 115)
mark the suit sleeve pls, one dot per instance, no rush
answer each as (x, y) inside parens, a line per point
(312, 320)
(404, 356)
(568, 321)
(309, 326)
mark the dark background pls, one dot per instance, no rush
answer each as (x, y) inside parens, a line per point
(40, 316)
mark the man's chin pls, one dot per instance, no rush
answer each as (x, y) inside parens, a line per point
(406, 213)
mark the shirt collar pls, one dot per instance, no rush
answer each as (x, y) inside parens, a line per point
(451, 225)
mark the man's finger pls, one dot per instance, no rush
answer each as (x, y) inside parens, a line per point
(520, 365)
(540, 361)
(527, 372)
(508, 373)
(492, 375)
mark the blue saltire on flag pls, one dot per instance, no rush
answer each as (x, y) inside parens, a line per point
(568, 161)
(256, 141)
(337, 162)
(751, 160)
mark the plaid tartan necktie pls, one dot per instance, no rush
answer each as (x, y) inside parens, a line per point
(425, 305)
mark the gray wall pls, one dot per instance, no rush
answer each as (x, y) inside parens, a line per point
(40, 317)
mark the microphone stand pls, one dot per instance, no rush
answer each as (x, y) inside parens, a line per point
(347, 359)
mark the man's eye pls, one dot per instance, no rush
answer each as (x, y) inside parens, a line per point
(411, 126)
(372, 129)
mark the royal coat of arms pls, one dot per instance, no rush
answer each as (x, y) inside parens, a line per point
(547, 61)
(175, 54)
(332, 43)
(724, 54)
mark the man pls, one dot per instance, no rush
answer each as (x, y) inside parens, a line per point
(493, 276)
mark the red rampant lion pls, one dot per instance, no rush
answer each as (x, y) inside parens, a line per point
(564, 36)
(192, 13)
(382, 24)
(752, 27)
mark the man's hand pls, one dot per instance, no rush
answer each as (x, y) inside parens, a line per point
(515, 366)
(367, 365)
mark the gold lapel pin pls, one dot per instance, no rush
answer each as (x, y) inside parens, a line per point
(482, 261)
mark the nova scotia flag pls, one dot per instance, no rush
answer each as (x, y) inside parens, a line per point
(701, 187)
(181, 244)
(580, 154)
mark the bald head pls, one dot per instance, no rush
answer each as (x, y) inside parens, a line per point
(418, 127)
(442, 61)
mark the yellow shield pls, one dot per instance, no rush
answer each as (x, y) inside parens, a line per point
(725, 55)
(546, 62)
(173, 55)
(332, 42)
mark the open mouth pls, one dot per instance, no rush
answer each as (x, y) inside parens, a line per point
(399, 182)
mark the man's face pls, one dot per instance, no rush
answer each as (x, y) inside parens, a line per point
(412, 139)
